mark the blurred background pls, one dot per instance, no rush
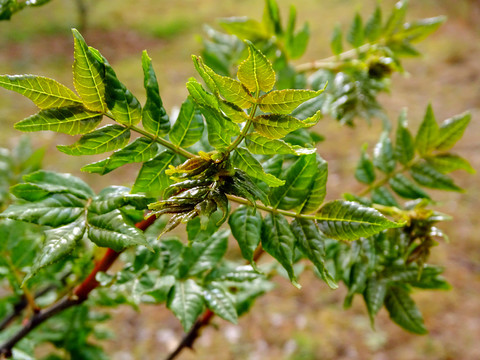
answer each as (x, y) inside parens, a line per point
(286, 323)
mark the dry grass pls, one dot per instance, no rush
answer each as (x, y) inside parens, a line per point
(287, 323)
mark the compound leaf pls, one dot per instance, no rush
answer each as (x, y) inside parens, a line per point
(53, 182)
(44, 92)
(188, 127)
(186, 302)
(59, 242)
(285, 101)
(154, 117)
(403, 310)
(88, 75)
(256, 72)
(404, 187)
(318, 188)
(246, 226)
(107, 138)
(220, 303)
(120, 101)
(426, 175)
(112, 230)
(346, 220)
(278, 241)
(451, 130)
(243, 160)
(276, 126)
(55, 210)
(70, 120)
(152, 178)
(311, 242)
(298, 179)
(140, 150)
(428, 134)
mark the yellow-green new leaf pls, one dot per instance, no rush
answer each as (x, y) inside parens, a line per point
(107, 138)
(44, 92)
(261, 145)
(285, 101)
(277, 126)
(256, 72)
(70, 120)
(346, 220)
(88, 75)
(243, 160)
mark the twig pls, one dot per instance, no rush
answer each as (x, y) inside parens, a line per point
(204, 320)
(80, 294)
(21, 305)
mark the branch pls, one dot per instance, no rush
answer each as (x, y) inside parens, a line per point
(189, 339)
(80, 294)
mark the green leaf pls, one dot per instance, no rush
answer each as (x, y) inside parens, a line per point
(231, 90)
(112, 230)
(256, 72)
(383, 156)
(365, 171)
(406, 188)
(258, 144)
(88, 75)
(345, 220)
(271, 17)
(403, 310)
(285, 101)
(55, 210)
(107, 138)
(446, 163)
(44, 92)
(246, 226)
(336, 40)
(243, 160)
(318, 188)
(220, 303)
(235, 113)
(188, 127)
(428, 176)
(357, 282)
(298, 180)
(245, 28)
(374, 296)
(154, 117)
(140, 150)
(418, 30)
(373, 27)
(59, 242)
(382, 196)
(396, 19)
(220, 128)
(186, 302)
(277, 126)
(312, 244)
(53, 182)
(120, 101)
(278, 241)
(451, 130)
(200, 95)
(201, 256)
(428, 134)
(152, 178)
(116, 197)
(355, 34)
(71, 120)
(404, 143)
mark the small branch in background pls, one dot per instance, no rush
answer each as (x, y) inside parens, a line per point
(82, 14)
(204, 320)
(194, 333)
(80, 294)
